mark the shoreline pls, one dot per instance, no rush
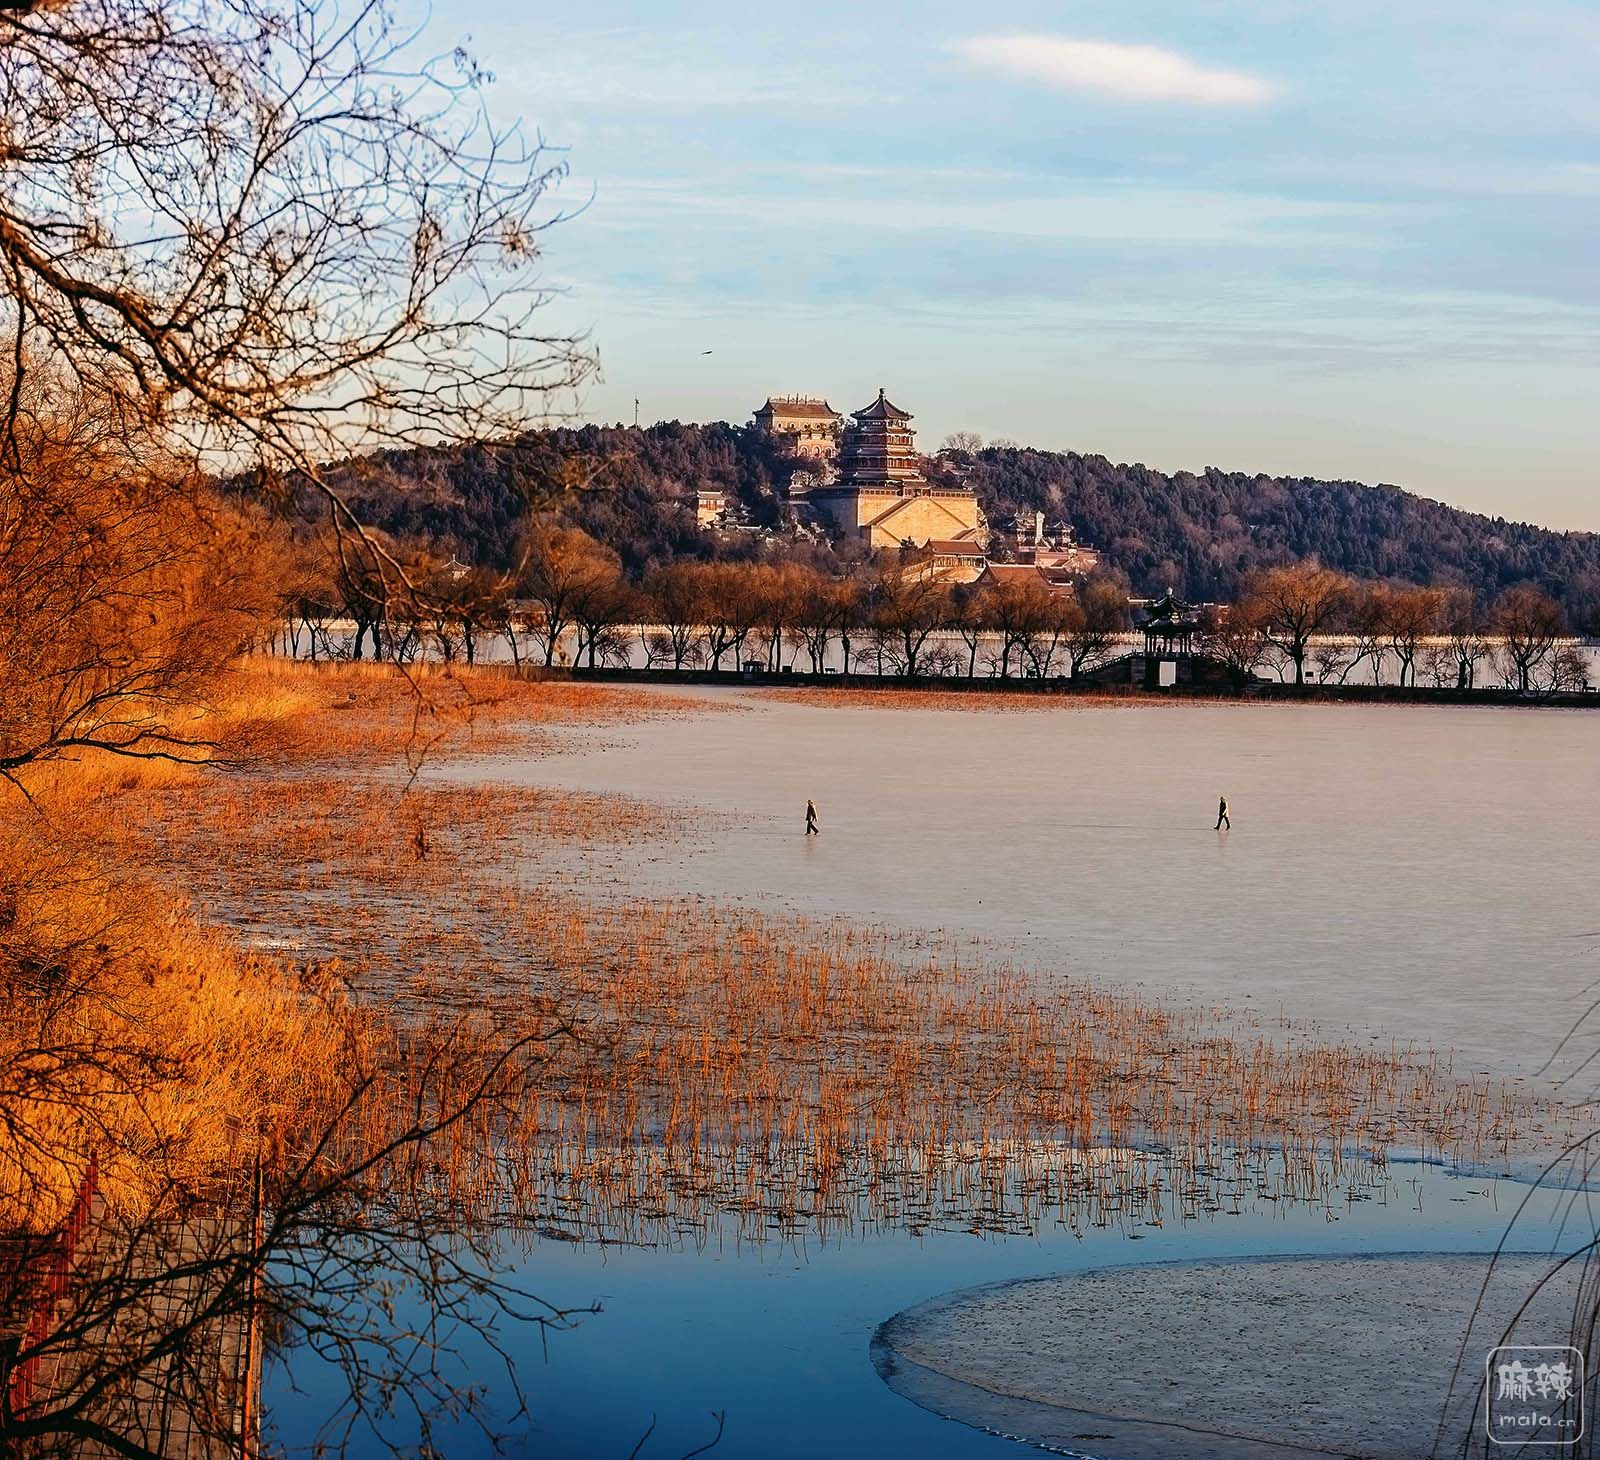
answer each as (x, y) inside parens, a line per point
(1063, 690)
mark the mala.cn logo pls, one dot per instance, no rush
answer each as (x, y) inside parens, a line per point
(1533, 1395)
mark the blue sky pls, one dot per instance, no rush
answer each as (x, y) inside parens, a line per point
(1352, 239)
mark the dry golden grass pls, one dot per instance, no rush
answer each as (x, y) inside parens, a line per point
(703, 1066)
(361, 713)
(138, 1037)
(159, 1046)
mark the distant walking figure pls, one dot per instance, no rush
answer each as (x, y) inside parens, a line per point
(811, 818)
(1222, 814)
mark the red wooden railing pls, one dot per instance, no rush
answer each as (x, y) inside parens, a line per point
(57, 1263)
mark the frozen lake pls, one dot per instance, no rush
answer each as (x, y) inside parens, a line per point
(1416, 873)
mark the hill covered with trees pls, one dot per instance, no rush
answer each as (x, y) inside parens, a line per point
(1199, 533)
(628, 488)
(1202, 533)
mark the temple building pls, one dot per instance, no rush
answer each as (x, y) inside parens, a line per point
(709, 505)
(953, 560)
(810, 422)
(1027, 538)
(880, 493)
(1010, 575)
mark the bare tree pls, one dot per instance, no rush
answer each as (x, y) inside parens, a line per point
(729, 606)
(776, 595)
(564, 566)
(1293, 605)
(826, 607)
(1414, 615)
(301, 591)
(1232, 636)
(1043, 641)
(124, 587)
(269, 235)
(672, 599)
(1332, 657)
(1466, 625)
(1094, 615)
(600, 609)
(1367, 614)
(1530, 625)
(908, 605)
(969, 618)
(245, 234)
(1016, 608)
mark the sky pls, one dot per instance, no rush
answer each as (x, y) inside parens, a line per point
(1353, 240)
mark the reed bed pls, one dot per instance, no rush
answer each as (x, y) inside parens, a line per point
(708, 1075)
(370, 713)
(138, 1037)
(816, 1075)
(708, 1071)
(705, 1071)
(147, 1037)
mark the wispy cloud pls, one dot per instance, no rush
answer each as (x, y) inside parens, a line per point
(1137, 73)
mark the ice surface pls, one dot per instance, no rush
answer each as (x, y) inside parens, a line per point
(1423, 874)
(1350, 1356)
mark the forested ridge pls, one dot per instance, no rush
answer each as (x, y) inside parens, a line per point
(1199, 533)
(1203, 532)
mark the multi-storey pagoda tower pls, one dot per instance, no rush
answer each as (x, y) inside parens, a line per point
(879, 449)
(881, 494)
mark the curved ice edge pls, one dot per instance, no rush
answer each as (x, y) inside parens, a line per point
(886, 1360)
(1553, 1170)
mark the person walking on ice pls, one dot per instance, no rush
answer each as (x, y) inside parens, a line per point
(1222, 814)
(811, 818)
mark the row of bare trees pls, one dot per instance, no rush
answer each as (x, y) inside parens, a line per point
(1308, 621)
(569, 601)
